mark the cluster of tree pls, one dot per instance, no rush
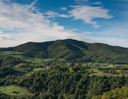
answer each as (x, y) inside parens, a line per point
(8, 80)
(8, 66)
(101, 84)
(123, 70)
(4, 71)
(9, 61)
(57, 81)
(108, 70)
(118, 93)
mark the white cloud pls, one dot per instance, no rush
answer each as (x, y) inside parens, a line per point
(1, 32)
(23, 25)
(87, 32)
(32, 4)
(88, 13)
(52, 14)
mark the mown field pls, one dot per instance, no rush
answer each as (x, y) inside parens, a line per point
(14, 90)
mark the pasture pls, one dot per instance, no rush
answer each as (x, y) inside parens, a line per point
(14, 90)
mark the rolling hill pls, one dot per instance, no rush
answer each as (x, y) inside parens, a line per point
(73, 50)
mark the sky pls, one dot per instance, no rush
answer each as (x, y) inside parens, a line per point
(92, 21)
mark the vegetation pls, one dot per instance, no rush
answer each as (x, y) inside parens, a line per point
(14, 90)
(63, 69)
(73, 50)
(118, 93)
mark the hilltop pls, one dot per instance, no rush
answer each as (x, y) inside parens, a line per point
(71, 49)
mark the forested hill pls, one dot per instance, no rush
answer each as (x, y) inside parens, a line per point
(73, 50)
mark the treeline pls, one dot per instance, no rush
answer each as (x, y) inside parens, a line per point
(4, 71)
(108, 70)
(123, 70)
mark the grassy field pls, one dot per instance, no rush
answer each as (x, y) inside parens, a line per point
(1, 89)
(94, 70)
(9, 90)
(17, 67)
(49, 59)
(111, 66)
(34, 60)
(10, 53)
(34, 70)
(99, 63)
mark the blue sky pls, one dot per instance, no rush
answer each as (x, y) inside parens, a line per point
(102, 21)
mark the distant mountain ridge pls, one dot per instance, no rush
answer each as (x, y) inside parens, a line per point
(73, 50)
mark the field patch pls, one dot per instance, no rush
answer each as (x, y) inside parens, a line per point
(34, 70)
(99, 63)
(34, 60)
(49, 59)
(37, 69)
(16, 90)
(10, 53)
(17, 67)
(111, 66)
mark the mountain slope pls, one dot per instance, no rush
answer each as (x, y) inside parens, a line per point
(73, 50)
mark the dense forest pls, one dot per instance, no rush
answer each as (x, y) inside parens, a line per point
(61, 82)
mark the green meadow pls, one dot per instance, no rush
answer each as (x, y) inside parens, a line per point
(14, 90)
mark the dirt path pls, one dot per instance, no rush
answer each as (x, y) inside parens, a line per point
(20, 64)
